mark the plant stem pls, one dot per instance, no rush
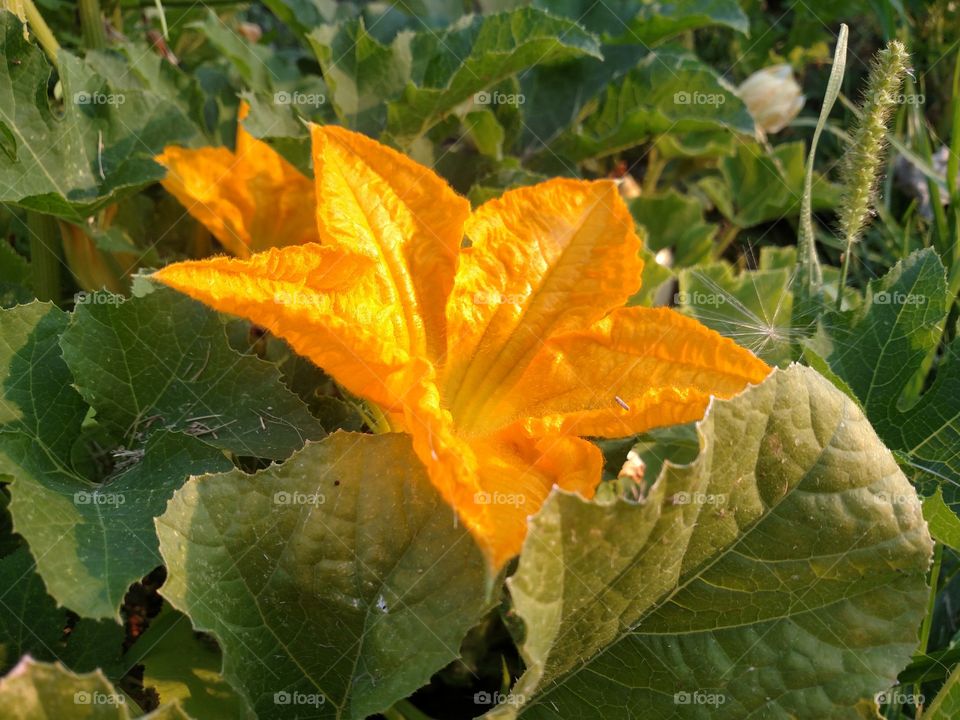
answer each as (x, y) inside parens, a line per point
(931, 602)
(655, 166)
(45, 255)
(91, 21)
(41, 31)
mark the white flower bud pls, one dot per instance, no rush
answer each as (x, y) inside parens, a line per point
(772, 96)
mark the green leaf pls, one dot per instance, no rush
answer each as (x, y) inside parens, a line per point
(946, 704)
(883, 351)
(90, 541)
(254, 63)
(304, 15)
(667, 91)
(555, 95)
(944, 525)
(98, 151)
(658, 21)
(756, 187)
(648, 22)
(14, 277)
(361, 73)
(35, 690)
(753, 307)
(794, 529)
(455, 65)
(336, 583)
(675, 221)
(163, 361)
(486, 132)
(184, 667)
(31, 623)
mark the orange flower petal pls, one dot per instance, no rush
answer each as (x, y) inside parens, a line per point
(496, 482)
(250, 200)
(377, 202)
(330, 307)
(636, 369)
(544, 259)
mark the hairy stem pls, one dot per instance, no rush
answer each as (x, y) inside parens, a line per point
(91, 21)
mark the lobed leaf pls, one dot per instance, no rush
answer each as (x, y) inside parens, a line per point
(336, 583)
(794, 528)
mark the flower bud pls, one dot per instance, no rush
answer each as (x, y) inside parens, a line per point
(772, 96)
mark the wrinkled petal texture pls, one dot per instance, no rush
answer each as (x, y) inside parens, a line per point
(327, 305)
(251, 200)
(495, 356)
(636, 369)
(543, 259)
(377, 202)
(497, 481)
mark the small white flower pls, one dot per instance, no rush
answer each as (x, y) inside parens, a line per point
(772, 96)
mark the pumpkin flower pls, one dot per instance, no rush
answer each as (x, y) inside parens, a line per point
(496, 338)
(250, 200)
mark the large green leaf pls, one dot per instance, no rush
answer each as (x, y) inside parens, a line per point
(90, 540)
(336, 583)
(667, 91)
(883, 350)
(35, 690)
(635, 21)
(457, 64)
(781, 574)
(556, 95)
(31, 623)
(361, 73)
(675, 221)
(183, 666)
(163, 361)
(98, 149)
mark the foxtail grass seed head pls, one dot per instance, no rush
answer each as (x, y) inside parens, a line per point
(863, 160)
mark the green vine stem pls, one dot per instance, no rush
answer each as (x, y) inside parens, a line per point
(45, 255)
(27, 11)
(861, 167)
(91, 21)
